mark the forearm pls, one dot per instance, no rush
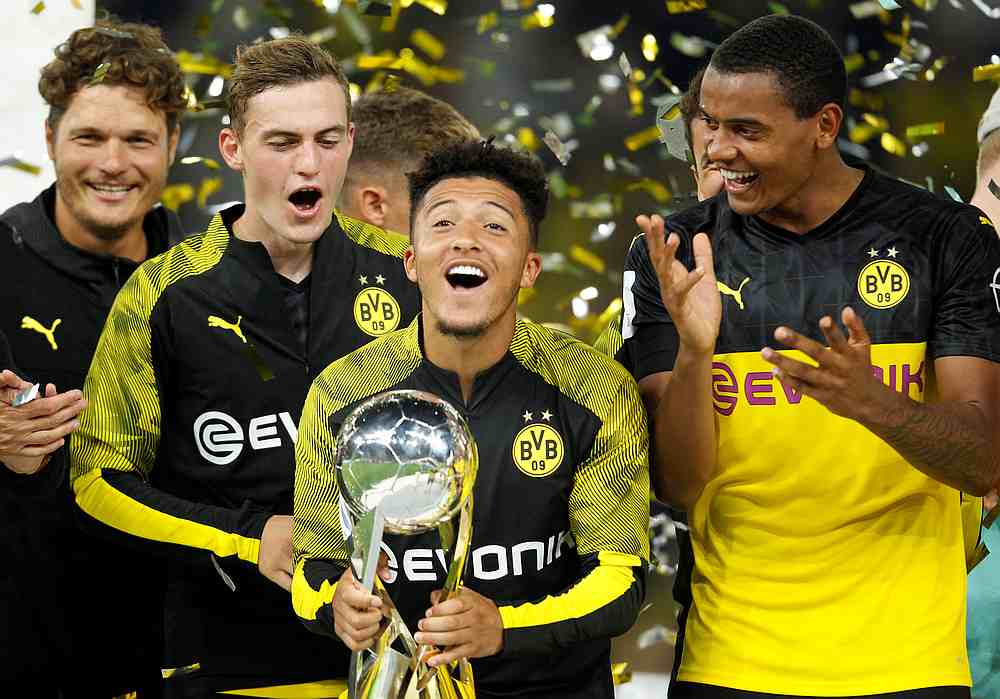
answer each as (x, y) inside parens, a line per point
(123, 506)
(950, 441)
(683, 435)
(604, 603)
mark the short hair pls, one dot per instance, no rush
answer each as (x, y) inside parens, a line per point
(522, 172)
(135, 55)
(803, 58)
(404, 125)
(284, 62)
(691, 105)
(989, 153)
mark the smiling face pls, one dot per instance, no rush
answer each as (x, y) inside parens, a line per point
(293, 154)
(111, 154)
(707, 177)
(765, 153)
(471, 253)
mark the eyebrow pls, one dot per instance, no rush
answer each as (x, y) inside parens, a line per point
(338, 130)
(734, 121)
(490, 202)
(93, 130)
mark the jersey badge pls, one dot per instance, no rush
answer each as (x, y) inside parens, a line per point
(538, 448)
(995, 285)
(883, 283)
(29, 323)
(217, 322)
(736, 293)
(376, 311)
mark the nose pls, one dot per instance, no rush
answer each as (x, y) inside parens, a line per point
(113, 157)
(720, 146)
(466, 237)
(307, 159)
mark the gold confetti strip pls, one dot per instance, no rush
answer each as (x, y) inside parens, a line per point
(38, 8)
(16, 163)
(391, 83)
(174, 195)
(385, 59)
(990, 71)
(169, 672)
(621, 673)
(486, 22)
(203, 64)
(876, 121)
(650, 48)
(853, 62)
(99, 74)
(208, 187)
(862, 133)
(197, 159)
(892, 144)
(619, 27)
(643, 138)
(586, 258)
(918, 131)
(428, 43)
(527, 138)
(438, 7)
(635, 99)
(676, 7)
(77, 4)
(655, 189)
(537, 20)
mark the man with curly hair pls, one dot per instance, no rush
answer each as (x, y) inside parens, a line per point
(561, 435)
(115, 96)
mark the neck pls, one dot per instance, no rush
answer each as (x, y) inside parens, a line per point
(824, 193)
(984, 199)
(132, 245)
(290, 259)
(467, 356)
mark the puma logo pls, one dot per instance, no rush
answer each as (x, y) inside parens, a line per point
(29, 323)
(217, 322)
(737, 294)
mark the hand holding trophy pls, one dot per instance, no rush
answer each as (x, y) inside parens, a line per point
(406, 464)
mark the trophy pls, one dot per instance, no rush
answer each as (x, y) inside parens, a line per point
(406, 464)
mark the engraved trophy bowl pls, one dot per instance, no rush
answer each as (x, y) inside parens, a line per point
(406, 463)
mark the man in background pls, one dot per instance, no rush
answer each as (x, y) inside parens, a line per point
(394, 130)
(82, 619)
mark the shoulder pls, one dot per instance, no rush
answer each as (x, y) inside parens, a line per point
(702, 217)
(371, 237)
(580, 372)
(372, 368)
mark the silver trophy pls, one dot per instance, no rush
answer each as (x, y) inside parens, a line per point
(406, 464)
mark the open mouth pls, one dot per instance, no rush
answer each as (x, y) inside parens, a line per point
(737, 180)
(111, 190)
(305, 199)
(465, 276)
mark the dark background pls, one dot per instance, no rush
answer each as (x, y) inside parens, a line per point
(955, 30)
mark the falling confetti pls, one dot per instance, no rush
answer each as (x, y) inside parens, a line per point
(918, 131)
(625, 66)
(642, 138)
(99, 73)
(892, 144)
(557, 147)
(676, 7)
(650, 48)
(38, 8)
(197, 159)
(16, 163)
(655, 635)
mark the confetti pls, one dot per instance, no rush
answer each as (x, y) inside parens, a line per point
(991, 12)
(527, 138)
(670, 126)
(919, 131)
(950, 191)
(853, 61)
(16, 163)
(203, 64)
(197, 159)
(650, 48)
(557, 147)
(486, 22)
(892, 144)
(438, 7)
(598, 208)
(655, 635)
(596, 44)
(690, 46)
(175, 195)
(643, 138)
(542, 18)
(867, 100)
(676, 7)
(919, 150)
(634, 99)
(557, 85)
(877, 122)
(99, 74)
(602, 232)
(208, 187)
(888, 4)
(38, 8)
(990, 71)
(621, 673)
(428, 43)
(777, 8)
(625, 66)
(241, 18)
(655, 189)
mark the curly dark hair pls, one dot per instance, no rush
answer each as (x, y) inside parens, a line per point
(691, 104)
(800, 54)
(134, 54)
(523, 173)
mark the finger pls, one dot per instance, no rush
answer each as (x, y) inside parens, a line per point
(703, 254)
(355, 621)
(436, 624)
(54, 434)
(792, 385)
(455, 605)
(44, 407)
(51, 390)
(833, 334)
(682, 287)
(8, 379)
(38, 449)
(808, 346)
(450, 655)
(357, 598)
(795, 369)
(436, 596)
(443, 638)
(855, 326)
(58, 419)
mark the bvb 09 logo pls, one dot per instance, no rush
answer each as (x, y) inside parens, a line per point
(376, 312)
(883, 283)
(538, 451)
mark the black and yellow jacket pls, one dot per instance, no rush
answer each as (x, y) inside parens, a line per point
(54, 299)
(187, 446)
(561, 504)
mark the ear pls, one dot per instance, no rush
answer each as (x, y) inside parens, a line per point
(50, 141)
(230, 148)
(828, 123)
(172, 142)
(532, 268)
(410, 264)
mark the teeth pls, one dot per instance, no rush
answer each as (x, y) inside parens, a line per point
(467, 269)
(737, 176)
(110, 188)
